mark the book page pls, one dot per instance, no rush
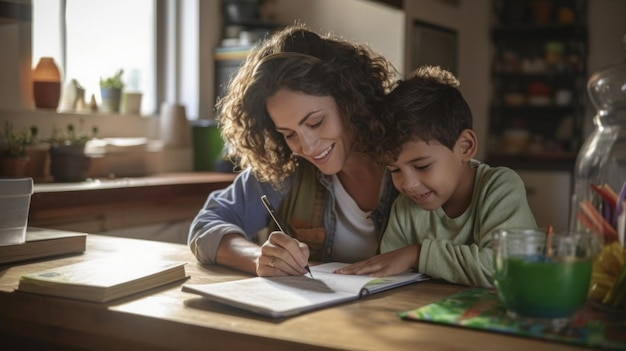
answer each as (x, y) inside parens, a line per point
(276, 296)
(340, 282)
(362, 284)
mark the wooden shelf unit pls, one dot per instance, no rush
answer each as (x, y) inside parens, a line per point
(539, 71)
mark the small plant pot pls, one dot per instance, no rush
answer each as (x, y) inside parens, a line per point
(69, 163)
(39, 162)
(15, 167)
(111, 98)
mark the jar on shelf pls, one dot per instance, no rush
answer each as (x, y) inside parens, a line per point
(600, 183)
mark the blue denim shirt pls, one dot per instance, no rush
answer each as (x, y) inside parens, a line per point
(238, 209)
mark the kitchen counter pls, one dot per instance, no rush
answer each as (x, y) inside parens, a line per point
(134, 182)
(103, 205)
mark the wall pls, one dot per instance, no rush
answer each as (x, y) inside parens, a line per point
(607, 28)
(471, 21)
(15, 43)
(352, 19)
(210, 19)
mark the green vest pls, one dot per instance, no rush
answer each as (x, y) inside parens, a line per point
(302, 209)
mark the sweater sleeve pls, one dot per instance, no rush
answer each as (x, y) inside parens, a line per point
(234, 209)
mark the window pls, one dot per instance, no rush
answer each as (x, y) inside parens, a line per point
(90, 39)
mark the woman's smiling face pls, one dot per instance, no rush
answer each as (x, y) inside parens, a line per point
(313, 128)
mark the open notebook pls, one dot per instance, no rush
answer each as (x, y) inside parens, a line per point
(287, 296)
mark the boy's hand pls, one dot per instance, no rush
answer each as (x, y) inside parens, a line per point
(389, 263)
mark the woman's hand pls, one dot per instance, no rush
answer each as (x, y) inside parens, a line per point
(282, 255)
(389, 263)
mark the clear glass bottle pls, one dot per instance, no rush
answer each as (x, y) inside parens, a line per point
(600, 172)
(600, 185)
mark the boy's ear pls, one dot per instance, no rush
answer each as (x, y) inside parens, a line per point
(467, 144)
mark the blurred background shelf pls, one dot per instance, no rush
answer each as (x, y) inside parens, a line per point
(539, 72)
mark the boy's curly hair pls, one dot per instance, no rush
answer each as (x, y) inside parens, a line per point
(426, 106)
(301, 60)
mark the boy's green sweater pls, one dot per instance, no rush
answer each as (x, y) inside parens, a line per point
(458, 250)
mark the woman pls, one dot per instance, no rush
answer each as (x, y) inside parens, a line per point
(291, 118)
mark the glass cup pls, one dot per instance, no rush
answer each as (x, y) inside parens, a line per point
(543, 279)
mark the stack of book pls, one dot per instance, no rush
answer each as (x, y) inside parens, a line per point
(43, 243)
(103, 280)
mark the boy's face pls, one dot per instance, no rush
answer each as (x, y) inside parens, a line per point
(429, 173)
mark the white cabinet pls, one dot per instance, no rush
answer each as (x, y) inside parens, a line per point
(549, 196)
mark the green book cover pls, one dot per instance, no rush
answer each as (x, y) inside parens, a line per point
(480, 308)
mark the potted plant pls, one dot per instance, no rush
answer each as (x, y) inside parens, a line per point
(15, 161)
(68, 160)
(111, 92)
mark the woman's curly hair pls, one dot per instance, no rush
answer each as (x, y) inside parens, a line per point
(299, 59)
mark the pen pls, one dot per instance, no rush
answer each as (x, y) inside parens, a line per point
(282, 227)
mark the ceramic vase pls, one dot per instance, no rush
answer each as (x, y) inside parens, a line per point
(46, 84)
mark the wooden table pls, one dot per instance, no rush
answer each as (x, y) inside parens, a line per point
(167, 318)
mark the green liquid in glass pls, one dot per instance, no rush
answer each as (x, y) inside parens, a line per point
(532, 286)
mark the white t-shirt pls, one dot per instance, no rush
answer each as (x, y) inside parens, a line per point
(355, 238)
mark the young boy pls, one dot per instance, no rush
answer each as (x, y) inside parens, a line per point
(441, 224)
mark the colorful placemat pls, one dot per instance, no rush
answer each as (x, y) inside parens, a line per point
(479, 308)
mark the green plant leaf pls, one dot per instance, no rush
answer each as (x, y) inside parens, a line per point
(114, 81)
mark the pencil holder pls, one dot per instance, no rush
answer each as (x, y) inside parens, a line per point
(15, 196)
